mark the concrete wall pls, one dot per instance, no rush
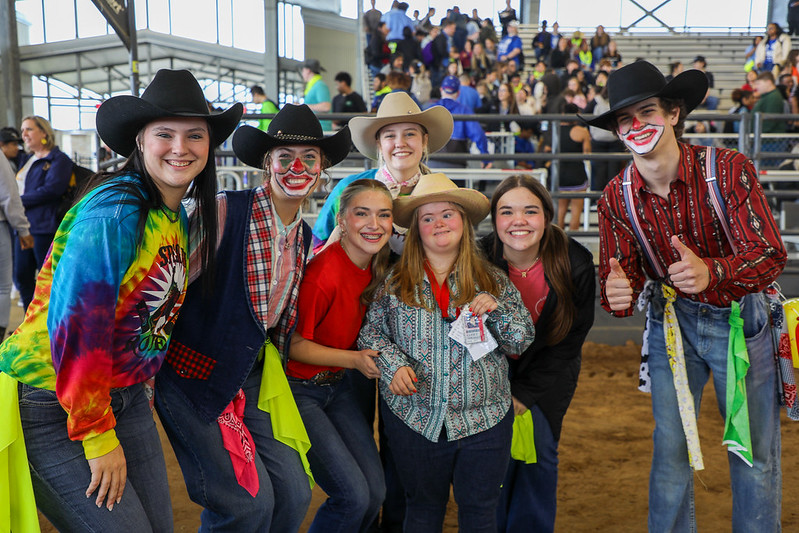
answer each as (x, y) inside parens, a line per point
(333, 41)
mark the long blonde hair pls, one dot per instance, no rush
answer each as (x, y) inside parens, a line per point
(473, 273)
(381, 259)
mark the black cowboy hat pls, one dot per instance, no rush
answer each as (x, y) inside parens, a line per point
(171, 94)
(293, 125)
(638, 81)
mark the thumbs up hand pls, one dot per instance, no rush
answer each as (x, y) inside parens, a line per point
(690, 274)
(617, 287)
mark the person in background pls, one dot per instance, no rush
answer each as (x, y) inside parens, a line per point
(447, 412)
(377, 52)
(338, 284)
(743, 102)
(773, 50)
(371, 21)
(506, 16)
(12, 222)
(574, 139)
(555, 276)
(347, 100)
(542, 43)
(266, 106)
(107, 298)
(510, 47)
(397, 20)
(43, 179)
(770, 100)
(222, 394)
(711, 102)
(599, 44)
(10, 144)
(317, 95)
(749, 53)
(410, 47)
(464, 130)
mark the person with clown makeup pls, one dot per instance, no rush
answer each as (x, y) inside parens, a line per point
(222, 393)
(687, 231)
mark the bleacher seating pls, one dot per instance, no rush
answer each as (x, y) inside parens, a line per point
(723, 53)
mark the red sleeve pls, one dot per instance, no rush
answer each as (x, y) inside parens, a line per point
(313, 304)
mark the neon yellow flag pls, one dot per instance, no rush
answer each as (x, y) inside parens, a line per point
(276, 399)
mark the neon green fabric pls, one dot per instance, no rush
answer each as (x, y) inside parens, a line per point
(736, 423)
(17, 504)
(522, 446)
(276, 399)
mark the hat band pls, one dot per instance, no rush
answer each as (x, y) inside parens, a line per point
(295, 137)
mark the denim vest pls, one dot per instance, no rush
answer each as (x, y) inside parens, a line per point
(217, 337)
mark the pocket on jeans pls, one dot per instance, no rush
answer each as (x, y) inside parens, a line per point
(36, 397)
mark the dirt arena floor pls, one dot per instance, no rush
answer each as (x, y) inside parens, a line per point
(604, 457)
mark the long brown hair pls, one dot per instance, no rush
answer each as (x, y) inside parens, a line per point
(473, 273)
(553, 251)
(381, 258)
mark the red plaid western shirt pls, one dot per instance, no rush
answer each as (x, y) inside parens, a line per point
(688, 213)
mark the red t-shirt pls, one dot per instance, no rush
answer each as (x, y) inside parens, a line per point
(330, 311)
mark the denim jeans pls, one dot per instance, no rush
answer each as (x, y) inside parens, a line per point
(529, 493)
(756, 490)
(284, 493)
(61, 474)
(27, 262)
(343, 456)
(6, 269)
(474, 466)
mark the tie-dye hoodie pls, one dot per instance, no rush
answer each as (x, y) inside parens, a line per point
(103, 310)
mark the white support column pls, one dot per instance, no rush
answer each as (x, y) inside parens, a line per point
(271, 81)
(11, 86)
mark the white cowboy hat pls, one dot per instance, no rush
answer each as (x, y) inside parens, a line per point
(396, 108)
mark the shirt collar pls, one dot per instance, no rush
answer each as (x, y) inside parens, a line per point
(686, 156)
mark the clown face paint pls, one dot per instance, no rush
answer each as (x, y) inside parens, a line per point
(295, 170)
(641, 127)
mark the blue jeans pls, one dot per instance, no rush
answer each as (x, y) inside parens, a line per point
(343, 456)
(473, 465)
(284, 493)
(27, 262)
(529, 493)
(756, 490)
(6, 268)
(61, 474)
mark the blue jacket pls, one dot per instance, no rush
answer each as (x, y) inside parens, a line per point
(45, 185)
(465, 129)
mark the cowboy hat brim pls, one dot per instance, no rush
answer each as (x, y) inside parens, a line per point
(690, 86)
(474, 203)
(251, 145)
(437, 121)
(119, 120)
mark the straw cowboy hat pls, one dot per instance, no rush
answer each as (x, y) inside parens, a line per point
(396, 108)
(293, 125)
(171, 94)
(638, 81)
(439, 188)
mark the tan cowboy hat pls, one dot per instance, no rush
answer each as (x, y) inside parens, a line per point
(439, 188)
(396, 108)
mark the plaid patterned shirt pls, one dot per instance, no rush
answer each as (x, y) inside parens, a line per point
(274, 264)
(688, 213)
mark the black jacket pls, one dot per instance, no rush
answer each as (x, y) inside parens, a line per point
(546, 375)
